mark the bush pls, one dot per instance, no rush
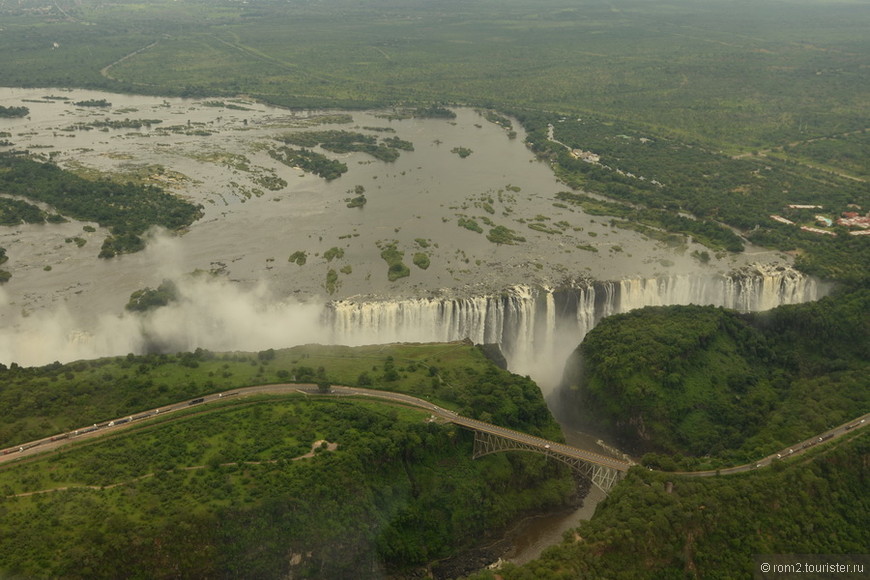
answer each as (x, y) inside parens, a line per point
(421, 260)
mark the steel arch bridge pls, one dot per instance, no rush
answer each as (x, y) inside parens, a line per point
(602, 476)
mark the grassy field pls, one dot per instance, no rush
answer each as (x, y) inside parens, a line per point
(744, 76)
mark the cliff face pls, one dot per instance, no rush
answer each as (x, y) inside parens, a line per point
(679, 378)
(537, 328)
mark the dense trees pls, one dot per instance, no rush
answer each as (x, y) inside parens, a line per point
(348, 141)
(223, 493)
(396, 268)
(711, 89)
(649, 179)
(9, 112)
(433, 111)
(15, 211)
(149, 299)
(101, 103)
(702, 381)
(311, 161)
(712, 527)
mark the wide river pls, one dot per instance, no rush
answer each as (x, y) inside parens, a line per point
(216, 154)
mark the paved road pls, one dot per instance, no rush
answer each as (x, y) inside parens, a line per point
(792, 451)
(50, 443)
(98, 429)
(543, 444)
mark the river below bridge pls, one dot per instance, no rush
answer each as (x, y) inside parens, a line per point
(532, 536)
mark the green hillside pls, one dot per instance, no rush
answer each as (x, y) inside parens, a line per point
(660, 526)
(720, 387)
(704, 388)
(227, 490)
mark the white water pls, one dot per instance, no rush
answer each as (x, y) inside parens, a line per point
(538, 328)
(63, 303)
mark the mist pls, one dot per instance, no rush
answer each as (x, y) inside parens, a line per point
(536, 328)
(209, 313)
(220, 315)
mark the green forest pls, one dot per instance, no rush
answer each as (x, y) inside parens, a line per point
(347, 141)
(682, 120)
(724, 115)
(311, 161)
(15, 211)
(701, 388)
(748, 78)
(660, 526)
(10, 112)
(712, 388)
(398, 492)
(654, 181)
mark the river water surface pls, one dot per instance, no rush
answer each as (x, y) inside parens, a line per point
(63, 302)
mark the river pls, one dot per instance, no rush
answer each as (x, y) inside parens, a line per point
(217, 156)
(535, 534)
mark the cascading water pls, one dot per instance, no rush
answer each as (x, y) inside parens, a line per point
(537, 328)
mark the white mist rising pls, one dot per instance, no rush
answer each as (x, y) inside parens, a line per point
(211, 314)
(536, 328)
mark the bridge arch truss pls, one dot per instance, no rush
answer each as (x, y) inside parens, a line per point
(601, 476)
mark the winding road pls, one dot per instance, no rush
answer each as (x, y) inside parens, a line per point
(548, 447)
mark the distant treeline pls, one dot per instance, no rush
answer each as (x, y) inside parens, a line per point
(14, 111)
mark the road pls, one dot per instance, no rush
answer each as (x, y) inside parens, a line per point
(106, 427)
(550, 447)
(792, 451)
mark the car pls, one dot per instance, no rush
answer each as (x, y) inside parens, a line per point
(546, 446)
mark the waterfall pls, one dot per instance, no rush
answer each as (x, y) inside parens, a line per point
(537, 328)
